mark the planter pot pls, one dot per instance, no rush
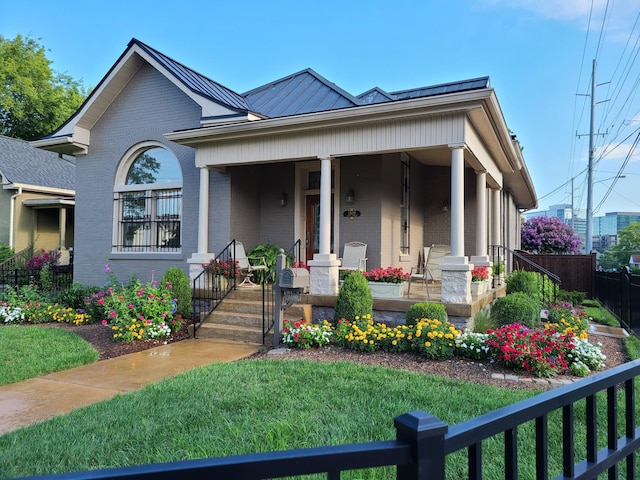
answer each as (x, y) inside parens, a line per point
(219, 282)
(386, 290)
(477, 288)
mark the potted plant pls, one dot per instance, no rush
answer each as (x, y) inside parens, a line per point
(220, 270)
(479, 277)
(497, 271)
(387, 282)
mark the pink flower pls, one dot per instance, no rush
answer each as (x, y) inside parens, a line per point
(112, 314)
(101, 301)
(131, 305)
(104, 322)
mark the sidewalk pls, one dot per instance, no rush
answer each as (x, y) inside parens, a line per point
(39, 399)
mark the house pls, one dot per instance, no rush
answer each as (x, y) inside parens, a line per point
(172, 165)
(37, 197)
(634, 261)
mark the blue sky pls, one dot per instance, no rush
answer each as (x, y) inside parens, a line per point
(538, 54)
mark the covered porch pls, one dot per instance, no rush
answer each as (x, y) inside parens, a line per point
(422, 171)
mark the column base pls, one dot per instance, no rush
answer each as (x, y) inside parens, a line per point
(456, 280)
(324, 274)
(196, 261)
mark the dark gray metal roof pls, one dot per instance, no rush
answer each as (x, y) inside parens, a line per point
(22, 163)
(301, 92)
(196, 82)
(375, 95)
(442, 89)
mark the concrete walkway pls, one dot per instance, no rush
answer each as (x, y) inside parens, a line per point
(39, 399)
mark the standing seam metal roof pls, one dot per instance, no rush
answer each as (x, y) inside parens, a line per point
(196, 82)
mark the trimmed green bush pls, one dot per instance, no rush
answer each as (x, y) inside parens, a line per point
(574, 298)
(428, 310)
(354, 298)
(181, 289)
(516, 307)
(523, 281)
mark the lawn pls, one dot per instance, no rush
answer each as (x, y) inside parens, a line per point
(253, 406)
(29, 351)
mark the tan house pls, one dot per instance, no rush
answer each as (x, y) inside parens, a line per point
(296, 159)
(37, 198)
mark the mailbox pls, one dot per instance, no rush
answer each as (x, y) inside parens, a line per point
(297, 278)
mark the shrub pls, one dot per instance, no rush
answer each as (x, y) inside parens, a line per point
(516, 308)
(6, 252)
(73, 297)
(180, 289)
(523, 281)
(574, 298)
(548, 235)
(430, 310)
(354, 298)
(482, 321)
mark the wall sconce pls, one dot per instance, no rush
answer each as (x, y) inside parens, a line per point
(351, 213)
(283, 200)
(349, 196)
(445, 206)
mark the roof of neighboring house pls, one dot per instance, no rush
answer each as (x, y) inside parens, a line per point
(23, 164)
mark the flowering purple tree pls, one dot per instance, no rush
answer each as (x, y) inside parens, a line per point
(548, 235)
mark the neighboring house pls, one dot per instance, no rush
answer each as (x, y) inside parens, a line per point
(37, 197)
(171, 166)
(634, 261)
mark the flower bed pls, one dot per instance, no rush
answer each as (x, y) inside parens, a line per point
(541, 353)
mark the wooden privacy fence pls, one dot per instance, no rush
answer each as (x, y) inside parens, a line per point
(577, 272)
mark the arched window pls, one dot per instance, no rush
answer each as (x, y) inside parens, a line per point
(148, 201)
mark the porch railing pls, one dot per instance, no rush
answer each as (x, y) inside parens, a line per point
(513, 260)
(423, 442)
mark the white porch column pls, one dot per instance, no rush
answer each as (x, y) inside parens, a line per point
(456, 270)
(324, 278)
(495, 217)
(201, 256)
(481, 258)
(62, 228)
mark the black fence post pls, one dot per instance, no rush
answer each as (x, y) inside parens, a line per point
(426, 435)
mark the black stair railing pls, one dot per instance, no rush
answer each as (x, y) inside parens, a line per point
(512, 260)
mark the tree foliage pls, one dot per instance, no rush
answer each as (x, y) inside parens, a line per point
(548, 235)
(34, 100)
(617, 256)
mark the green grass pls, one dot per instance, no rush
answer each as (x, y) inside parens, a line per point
(599, 314)
(255, 406)
(28, 351)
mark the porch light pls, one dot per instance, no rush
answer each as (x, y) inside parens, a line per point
(283, 200)
(349, 196)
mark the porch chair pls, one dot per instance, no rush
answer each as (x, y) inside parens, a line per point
(248, 265)
(422, 273)
(354, 257)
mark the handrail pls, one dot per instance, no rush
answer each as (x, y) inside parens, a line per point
(555, 279)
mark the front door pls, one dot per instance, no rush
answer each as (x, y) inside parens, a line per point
(312, 228)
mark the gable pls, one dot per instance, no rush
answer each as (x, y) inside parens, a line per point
(301, 92)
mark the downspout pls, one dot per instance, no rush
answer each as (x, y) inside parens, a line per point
(12, 216)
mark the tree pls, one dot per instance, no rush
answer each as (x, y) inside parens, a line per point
(34, 100)
(617, 256)
(548, 235)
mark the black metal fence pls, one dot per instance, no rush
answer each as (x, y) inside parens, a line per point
(423, 442)
(56, 279)
(620, 294)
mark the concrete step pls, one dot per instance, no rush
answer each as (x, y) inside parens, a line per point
(234, 332)
(242, 319)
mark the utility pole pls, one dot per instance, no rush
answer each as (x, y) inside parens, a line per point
(588, 243)
(589, 240)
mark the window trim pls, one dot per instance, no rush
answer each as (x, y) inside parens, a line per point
(149, 191)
